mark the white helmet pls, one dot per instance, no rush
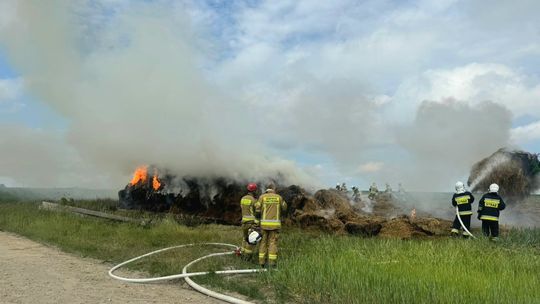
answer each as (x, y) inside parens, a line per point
(254, 238)
(493, 188)
(460, 187)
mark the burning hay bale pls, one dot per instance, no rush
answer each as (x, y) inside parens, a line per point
(143, 192)
(214, 199)
(516, 172)
(217, 200)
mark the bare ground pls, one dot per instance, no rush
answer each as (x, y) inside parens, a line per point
(34, 273)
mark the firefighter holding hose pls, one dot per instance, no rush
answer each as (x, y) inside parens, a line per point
(463, 200)
(488, 212)
(269, 207)
(249, 222)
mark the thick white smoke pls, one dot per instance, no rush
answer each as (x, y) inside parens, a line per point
(448, 137)
(133, 92)
(136, 85)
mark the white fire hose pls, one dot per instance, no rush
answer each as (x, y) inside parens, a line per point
(186, 275)
(463, 225)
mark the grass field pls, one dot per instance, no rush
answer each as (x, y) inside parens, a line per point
(314, 267)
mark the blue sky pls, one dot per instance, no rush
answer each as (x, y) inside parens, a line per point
(346, 80)
(28, 110)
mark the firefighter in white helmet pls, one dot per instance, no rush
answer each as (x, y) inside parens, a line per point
(489, 208)
(249, 222)
(462, 199)
(270, 208)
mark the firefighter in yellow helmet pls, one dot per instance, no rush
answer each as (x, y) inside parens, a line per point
(270, 207)
(249, 222)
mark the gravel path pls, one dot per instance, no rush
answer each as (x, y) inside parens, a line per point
(34, 273)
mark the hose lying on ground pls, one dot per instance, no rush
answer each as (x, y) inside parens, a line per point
(463, 225)
(186, 275)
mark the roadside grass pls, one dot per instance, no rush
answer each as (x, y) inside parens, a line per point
(101, 204)
(314, 267)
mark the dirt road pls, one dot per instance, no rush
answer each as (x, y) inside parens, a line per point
(34, 273)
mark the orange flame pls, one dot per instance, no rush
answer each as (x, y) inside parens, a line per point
(155, 181)
(140, 175)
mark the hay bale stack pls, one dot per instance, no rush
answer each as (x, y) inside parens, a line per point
(330, 210)
(516, 172)
(384, 205)
(403, 227)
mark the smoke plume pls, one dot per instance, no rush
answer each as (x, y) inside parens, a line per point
(140, 83)
(448, 137)
(132, 89)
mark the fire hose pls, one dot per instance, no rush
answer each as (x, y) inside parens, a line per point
(186, 275)
(463, 225)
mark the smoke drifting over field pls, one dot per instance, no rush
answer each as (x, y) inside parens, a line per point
(133, 92)
(136, 85)
(448, 137)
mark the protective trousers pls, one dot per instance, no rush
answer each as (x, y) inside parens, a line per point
(269, 246)
(490, 228)
(457, 225)
(247, 249)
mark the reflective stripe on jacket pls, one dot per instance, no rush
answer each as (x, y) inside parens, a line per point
(247, 203)
(464, 202)
(270, 205)
(489, 218)
(490, 206)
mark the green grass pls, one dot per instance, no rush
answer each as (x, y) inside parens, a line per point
(97, 204)
(314, 268)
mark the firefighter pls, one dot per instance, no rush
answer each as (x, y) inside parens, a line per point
(388, 188)
(373, 191)
(488, 212)
(356, 194)
(269, 208)
(249, 222)
(463, 199)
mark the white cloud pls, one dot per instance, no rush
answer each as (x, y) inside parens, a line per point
(371, 167)
(473, 83)
(526, 134)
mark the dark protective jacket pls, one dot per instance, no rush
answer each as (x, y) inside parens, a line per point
(489, 207)
(464, 202)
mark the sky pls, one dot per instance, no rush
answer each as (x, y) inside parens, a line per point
(410, 92)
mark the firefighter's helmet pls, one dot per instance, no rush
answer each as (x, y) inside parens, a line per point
(254, 237)
(493, 188)
(460, 187)
(252, 187)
